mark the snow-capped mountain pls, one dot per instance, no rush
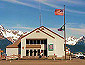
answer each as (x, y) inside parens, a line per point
(73, 40)
(11, 35)
(81, 40)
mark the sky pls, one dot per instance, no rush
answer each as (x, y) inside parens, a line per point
(24, 15)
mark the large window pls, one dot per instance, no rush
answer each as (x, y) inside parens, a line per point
(30, 41)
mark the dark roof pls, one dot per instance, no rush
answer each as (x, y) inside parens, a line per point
(15, 45)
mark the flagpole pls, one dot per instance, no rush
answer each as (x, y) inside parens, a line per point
(64, 32)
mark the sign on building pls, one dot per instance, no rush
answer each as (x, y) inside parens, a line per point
(50, 47)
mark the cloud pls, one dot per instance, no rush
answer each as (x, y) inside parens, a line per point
(73, 2)
(67, 1)
(46, 2)
(56, 6)
(40, 0)
(82, 26)
(27, 4)
(74, 25)
(20, 27)
(72, 29)
(77, 30)
(75, 11)
(23, 28)
(22, 3)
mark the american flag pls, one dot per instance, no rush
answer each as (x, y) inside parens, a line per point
(59, 12)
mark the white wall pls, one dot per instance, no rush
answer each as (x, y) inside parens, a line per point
(23, 50)
(57, 42)
(58, 45)
(11, 51)
(34, 35)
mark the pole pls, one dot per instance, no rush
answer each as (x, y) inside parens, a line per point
(64, 32)
(40, 19)
(40, 12)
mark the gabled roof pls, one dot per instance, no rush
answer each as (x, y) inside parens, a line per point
(35, 30)
(44, 32)
(15, 45)
(52, 32)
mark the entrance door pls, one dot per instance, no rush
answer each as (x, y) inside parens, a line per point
(38, 52)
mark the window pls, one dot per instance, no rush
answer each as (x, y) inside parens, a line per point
(31, 42)
(38, 41)
(42, 42)
(27, 41)
(34, 41)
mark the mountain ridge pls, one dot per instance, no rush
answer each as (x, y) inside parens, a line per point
(11, 35)
(73, 40)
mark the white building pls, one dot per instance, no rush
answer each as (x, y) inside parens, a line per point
(40, 40)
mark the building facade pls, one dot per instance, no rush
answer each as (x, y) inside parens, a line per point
(39, 41)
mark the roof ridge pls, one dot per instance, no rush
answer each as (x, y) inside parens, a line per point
(47, 34)
(51, 31)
